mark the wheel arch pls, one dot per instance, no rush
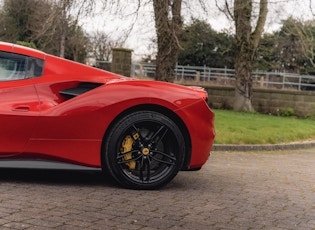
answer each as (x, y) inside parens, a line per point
(165, 111)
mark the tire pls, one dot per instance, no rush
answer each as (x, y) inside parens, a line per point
(143, 150)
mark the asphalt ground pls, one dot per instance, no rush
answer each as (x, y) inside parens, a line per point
(234, 190)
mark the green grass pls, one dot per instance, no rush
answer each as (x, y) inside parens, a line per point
(253, 128)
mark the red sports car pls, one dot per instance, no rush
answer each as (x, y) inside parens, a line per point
(141, 133)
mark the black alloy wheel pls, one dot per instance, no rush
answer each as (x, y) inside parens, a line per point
(144, 150)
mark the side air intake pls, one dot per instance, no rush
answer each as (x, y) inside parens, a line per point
(82, 88)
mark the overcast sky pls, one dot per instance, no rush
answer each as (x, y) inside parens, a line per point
(143, 25)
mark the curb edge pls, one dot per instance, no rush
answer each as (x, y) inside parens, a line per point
(266, 147)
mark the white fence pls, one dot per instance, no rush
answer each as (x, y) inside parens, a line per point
(224, 76)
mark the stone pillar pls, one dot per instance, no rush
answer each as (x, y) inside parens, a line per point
(197, 76)
(262, 82)
(121, 63)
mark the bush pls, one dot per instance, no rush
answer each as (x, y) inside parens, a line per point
(27, 44)
(287, 112)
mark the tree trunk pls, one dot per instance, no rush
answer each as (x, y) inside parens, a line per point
(63, 35)
(168, 24)
(246, 43)
(62, 45)
(243, 87)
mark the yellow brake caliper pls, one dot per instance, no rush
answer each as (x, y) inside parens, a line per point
(127, 147)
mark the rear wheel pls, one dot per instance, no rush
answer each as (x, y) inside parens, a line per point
(144, 150)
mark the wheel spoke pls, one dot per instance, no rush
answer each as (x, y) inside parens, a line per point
(162, 161)
(159, 134)
(129, 160)
(141, 169)
(145, 169)
(148, 169)
(164, 154)
(135, 128)
(122, 155)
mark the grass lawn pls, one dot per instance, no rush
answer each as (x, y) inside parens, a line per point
(253, 128)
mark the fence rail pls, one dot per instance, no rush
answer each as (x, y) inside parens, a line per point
(225, 76)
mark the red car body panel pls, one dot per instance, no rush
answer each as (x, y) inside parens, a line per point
(38, 121)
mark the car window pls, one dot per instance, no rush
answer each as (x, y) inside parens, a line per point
(17, 67)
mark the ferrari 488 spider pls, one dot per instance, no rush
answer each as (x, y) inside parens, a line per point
(141, 133)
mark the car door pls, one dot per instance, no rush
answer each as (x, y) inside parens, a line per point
(19, 104)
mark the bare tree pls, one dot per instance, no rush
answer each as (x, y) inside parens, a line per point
(43, 24)
(101, 47)
(247, 38)
(168, 24)
(308, 38)
(67, 10)
(246, 44)
(36, 22)
(311, 7)
(303, 35)
(168, 27)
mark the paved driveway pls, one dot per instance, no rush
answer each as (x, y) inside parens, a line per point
(251, 190)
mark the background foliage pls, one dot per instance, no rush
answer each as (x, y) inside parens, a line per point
(34, 23)
(38, 24)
